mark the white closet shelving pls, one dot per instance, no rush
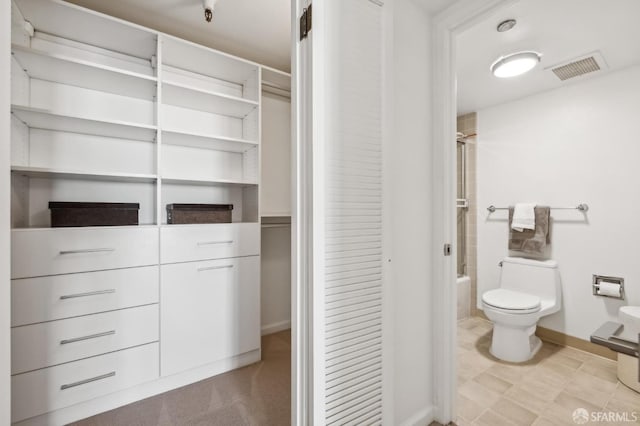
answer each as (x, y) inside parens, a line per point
(107, 111)
(210, 128)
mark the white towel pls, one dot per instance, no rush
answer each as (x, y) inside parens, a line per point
(524, 217)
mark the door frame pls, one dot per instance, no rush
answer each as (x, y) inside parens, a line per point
(447, 26)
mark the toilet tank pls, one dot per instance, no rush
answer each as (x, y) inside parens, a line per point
(537, 277)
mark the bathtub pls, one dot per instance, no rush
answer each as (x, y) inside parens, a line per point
(464, 297)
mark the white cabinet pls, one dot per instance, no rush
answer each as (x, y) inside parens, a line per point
(107, 111)
(64, 296)
(56, 342)
(210, 311)
(38, 252)
(216, 241)
(51, 388)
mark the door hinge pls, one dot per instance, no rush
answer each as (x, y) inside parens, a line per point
(305, 23)
(447, 249)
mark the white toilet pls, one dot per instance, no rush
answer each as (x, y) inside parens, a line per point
(529, 289)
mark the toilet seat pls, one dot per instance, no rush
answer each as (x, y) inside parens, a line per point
(511, 301)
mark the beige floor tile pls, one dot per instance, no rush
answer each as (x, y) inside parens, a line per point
(626, 394)
(561, 359)
(468, 409)
(622, 406)
(590, 388)
(475, 361)
(514, 412)
(555, 375)
(491, 418)
(559, 414)
(510, 373)
(543, 391)
(492, 382)
(601, 368)
(572, 403)
(576, 354)
(478, 393)
(527, 396)
(543, 421)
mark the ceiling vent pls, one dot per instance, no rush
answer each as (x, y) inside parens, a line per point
(588, 64)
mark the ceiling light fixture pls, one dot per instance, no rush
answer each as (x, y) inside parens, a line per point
(208, 5)
(515, 64)
(506, 25)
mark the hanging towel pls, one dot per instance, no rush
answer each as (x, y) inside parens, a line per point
(524, 217)
(531, 241)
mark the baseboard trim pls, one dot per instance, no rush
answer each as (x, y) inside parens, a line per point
(104, 403)
(423, 417)
(562, 339)
(275, 327)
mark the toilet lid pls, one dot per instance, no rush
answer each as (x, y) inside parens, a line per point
(509, 299)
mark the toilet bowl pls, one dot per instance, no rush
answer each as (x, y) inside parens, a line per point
(629, 317)
(529, 289)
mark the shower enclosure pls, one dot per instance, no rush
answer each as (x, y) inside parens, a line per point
(462, 207)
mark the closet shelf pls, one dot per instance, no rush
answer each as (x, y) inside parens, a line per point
(42, 172)
(81, 73)
(37, 118)
(200, 140)
(207, 182)
(192, 97)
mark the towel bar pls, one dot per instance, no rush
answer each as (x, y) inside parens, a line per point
(582, 207)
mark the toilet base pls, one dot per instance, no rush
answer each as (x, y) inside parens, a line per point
(628, 371)
(514, 344)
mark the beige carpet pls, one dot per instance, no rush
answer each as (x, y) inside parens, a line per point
(259, 394)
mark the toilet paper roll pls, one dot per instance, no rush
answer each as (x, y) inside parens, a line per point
(606, 288)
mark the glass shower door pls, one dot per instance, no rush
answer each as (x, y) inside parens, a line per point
(462, 205)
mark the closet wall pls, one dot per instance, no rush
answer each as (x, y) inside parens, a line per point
(5, 311)
(275, 198)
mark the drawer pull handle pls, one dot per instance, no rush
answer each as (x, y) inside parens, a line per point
(94, 250)
(209, 268)
(91, 293)
(91, 336)
(85, 381)
(209, 243)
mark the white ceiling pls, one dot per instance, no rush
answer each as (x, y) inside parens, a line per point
(559, 29)
(256, 30)
(435, 6)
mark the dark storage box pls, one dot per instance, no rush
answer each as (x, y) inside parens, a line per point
(93, 214)
(199, 213)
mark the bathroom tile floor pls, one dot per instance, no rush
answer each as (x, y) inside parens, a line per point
(543, 391)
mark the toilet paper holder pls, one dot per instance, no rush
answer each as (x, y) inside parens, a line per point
(597, 279)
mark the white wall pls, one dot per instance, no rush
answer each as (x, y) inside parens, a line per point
(275, 198)
(408, 155)
(576, 144)
(275, 186)
(275, 277)
(5, 306)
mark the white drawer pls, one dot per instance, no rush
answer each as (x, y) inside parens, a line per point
(49, 389)
(55, 297)
(39, 252)
(184, 243)
(52, 343)
(210, 311)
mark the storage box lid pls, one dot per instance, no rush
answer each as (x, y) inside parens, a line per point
(200, 207)
(86, 205)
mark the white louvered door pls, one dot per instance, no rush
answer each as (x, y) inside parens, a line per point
(345, 249)
(353, 219)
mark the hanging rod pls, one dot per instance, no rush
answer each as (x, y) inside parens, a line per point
(581, 207)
